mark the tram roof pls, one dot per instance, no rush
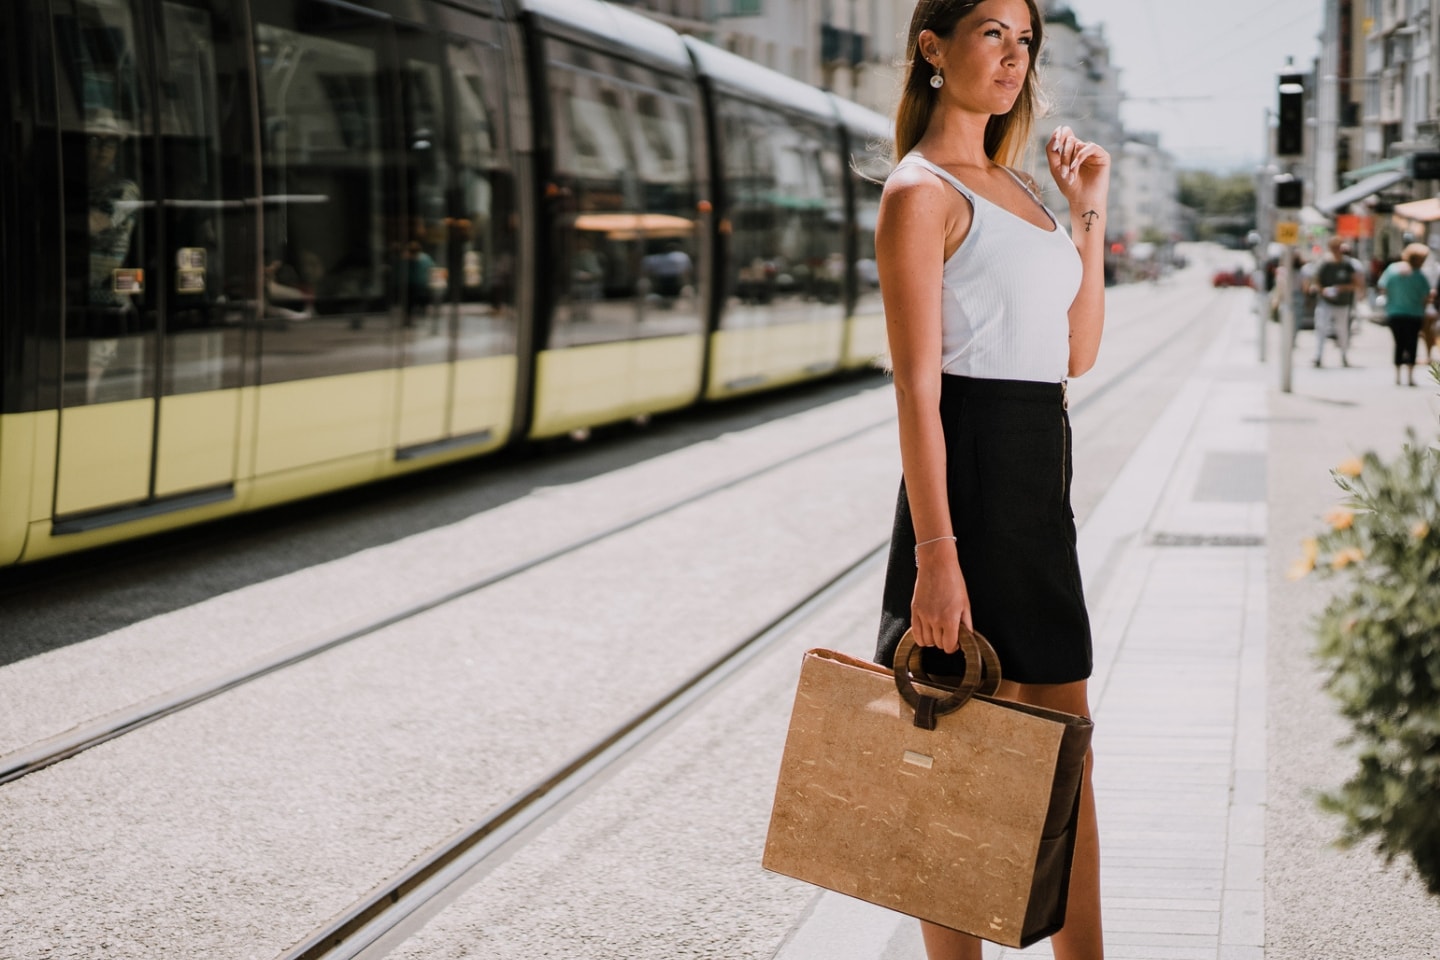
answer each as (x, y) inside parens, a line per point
(612, 26)
(759, 83)
(863, 120)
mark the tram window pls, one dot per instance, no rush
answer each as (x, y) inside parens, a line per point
(486, 227)
(327, 262)
(109, 316)
(597, 243)
(786, 206)
(872, 166)
(423, 271)
(665, 150)
(204, 139)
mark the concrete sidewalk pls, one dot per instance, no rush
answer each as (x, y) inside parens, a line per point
(1211, 730)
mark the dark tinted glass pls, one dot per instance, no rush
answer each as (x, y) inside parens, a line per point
(664, 136)
(785, 204)
(486, 233)
(870, 165)
(334, 262)
(205, 143)
(427, 302)
(598, 246)
(109, 193)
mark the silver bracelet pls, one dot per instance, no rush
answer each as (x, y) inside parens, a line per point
(926, 543)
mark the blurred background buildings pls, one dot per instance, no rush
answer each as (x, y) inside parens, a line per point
(856, 49)
(1371, 151)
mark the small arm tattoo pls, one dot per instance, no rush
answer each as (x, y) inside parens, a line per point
(1089, 216)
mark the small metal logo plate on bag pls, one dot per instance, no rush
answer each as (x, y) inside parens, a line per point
(919, 759)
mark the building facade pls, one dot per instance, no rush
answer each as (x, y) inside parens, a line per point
(1375, 93)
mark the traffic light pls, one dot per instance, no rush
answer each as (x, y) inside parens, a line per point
(1425, 166)
(1290, 135)
(1289, 193)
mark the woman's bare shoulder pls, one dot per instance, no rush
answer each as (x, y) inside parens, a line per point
(912, 194)
(913, 181)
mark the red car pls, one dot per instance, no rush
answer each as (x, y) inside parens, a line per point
(1232, 278)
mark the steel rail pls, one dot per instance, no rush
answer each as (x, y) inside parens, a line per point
(398, 906)
(62, 746)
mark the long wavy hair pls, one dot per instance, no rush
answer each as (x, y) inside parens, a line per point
(1007, 136)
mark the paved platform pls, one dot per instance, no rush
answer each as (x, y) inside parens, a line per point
(1196, 774)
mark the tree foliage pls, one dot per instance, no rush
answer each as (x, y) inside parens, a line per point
(1379, 637)
(1211, 194)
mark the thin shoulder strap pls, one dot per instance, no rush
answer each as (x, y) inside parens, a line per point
(940, 172)
(1024, 184)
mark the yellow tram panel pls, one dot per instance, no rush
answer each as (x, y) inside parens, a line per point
(584, 386)
(197, 441)
(865, 341)
(758, 358)
(665, 373)
(303, 423)
(484, 398)
(423, 395)
(104, 455)
(21, 474)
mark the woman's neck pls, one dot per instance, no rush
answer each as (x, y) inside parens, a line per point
(956, 138)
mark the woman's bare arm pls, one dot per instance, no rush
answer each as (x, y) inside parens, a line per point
(918, 214)
(1082, 172)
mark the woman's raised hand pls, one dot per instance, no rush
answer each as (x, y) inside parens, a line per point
(1081, 169)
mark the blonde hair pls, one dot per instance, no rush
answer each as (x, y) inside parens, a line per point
(1007, 136)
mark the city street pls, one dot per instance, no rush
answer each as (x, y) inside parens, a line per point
(243, 823)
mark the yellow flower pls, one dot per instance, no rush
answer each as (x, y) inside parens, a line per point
(1420, 531)
(1340, 518)
(1343, 558)
(1352, 467)
(1301, 568)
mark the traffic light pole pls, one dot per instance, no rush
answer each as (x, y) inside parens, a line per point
(1285, 280)
(1289, 196)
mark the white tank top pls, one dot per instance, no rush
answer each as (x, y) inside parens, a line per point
(1007, 293)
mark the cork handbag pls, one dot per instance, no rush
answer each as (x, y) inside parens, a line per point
(938, 801)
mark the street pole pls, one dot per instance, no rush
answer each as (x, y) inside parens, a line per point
(1285, 280)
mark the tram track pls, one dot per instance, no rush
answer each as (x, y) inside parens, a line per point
(52, 750)
(397, 907)
(44, 753)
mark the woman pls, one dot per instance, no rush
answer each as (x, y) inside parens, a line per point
(990, 306)
(1407, 291)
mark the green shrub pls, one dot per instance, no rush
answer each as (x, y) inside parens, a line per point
(1379, 637)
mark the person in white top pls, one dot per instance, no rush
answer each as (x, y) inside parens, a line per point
(990, 306)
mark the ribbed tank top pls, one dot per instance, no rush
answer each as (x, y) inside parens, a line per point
(1007, 293)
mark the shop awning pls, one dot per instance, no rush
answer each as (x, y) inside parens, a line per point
(1384, 166)
(1425, 211)
(1371, 184)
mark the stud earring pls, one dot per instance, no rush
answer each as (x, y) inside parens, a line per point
(938, 80)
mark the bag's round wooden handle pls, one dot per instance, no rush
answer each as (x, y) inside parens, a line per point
(982, 675)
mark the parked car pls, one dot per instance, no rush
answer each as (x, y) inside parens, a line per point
(1232, 278)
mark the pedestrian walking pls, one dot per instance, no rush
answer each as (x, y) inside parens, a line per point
(1338, 280)
(990, 306)
(1407, 293)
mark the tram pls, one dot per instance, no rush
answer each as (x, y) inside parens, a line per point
(255, 250)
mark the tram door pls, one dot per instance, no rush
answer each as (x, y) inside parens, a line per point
(427, 325)
(159, 249)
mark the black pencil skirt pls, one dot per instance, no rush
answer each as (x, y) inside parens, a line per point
(1008, 471)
